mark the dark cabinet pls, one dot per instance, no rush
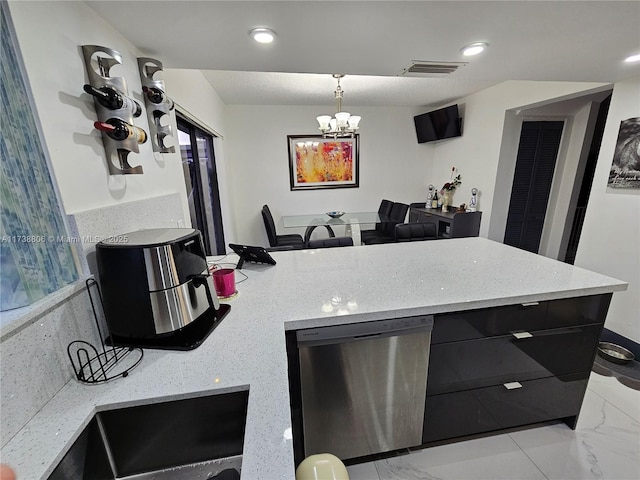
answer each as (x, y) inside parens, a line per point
(577, 311)
(448, 224)
(495, 360)
(489, 322)
(493, 408)
(528, 317)
(509, 366)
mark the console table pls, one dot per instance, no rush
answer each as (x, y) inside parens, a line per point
(448, 224)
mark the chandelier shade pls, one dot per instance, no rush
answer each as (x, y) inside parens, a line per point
(344, 124)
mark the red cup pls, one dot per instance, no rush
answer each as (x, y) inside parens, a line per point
(224, 281)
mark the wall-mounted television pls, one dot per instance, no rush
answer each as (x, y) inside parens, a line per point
(438, 124)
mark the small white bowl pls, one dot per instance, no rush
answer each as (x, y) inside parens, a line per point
(335, 214)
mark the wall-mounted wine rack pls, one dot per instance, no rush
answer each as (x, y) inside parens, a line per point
(98, 62)
(157, 103)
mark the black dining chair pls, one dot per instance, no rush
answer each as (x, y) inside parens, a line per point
(311, 228)
(412, 232)
(414, 216)
(293, 240)
(384, 210)
(388, 235)
(331, 242)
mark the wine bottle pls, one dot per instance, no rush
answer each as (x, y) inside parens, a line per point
(110, 98)
(434, 200)
(157, 96)
(121, 130)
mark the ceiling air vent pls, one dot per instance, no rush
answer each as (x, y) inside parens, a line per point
(430, 69)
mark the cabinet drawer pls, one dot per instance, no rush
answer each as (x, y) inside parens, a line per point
(577, 311)
(493, 408)
(491, 361)
(488, 322)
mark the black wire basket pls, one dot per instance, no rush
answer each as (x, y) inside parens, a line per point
(93, 366)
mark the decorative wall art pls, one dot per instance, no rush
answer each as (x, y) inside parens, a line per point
(625, 169)
(316, 162)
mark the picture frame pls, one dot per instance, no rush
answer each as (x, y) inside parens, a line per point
(625, 168)
(316, 162)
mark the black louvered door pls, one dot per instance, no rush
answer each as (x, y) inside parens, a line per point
(536, 162)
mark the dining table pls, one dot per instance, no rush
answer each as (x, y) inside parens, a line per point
(350, 220)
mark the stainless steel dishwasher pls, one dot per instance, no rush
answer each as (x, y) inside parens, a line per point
(364, 385)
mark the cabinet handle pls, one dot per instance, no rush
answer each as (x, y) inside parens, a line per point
(520, 335)
(512, 385)
(530, 304)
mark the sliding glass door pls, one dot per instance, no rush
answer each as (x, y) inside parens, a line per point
(200, 176)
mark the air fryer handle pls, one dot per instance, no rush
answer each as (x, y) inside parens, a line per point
(199, 280)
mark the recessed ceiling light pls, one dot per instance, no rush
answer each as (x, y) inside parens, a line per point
(474, 49)
(263, 35)
(633, 58)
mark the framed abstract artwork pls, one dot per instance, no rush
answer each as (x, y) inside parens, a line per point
(316, 162)
(625, 168)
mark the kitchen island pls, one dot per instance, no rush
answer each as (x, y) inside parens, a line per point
(307, 288)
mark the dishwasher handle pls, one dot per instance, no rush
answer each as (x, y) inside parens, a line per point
(363, 331)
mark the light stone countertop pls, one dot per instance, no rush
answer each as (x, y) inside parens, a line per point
(306, 288)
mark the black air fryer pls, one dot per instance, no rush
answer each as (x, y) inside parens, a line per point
(156, 288)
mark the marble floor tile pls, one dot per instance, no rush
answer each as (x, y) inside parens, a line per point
(363, 471)
(605, 445)
(619, 395)
(493, 458)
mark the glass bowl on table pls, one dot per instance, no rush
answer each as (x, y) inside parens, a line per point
(335, 214)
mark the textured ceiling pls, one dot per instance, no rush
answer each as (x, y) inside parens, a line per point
(372, 41)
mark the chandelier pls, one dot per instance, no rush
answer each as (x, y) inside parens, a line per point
(344, 124)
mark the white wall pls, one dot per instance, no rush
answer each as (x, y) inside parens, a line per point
(50, 35)
(610, 240)
(485, 154)
(579, 117)
(569, 156)
(392, 164)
